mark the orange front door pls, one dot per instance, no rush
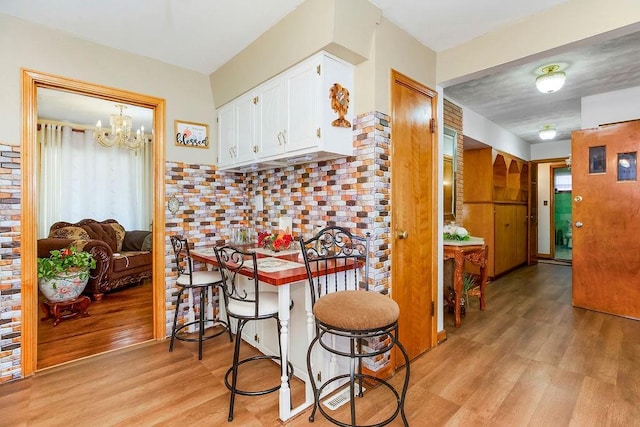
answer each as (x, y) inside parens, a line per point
(606, 219)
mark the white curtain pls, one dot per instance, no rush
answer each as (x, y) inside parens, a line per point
(80, 179)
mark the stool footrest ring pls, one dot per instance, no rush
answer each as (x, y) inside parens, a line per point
(256, 392)
(216, 333)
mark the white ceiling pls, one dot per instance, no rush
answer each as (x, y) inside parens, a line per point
(180, 31)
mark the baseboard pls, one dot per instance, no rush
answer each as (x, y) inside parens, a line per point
(442, 336)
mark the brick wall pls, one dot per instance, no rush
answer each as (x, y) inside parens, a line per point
(10, 283)
(352, 192)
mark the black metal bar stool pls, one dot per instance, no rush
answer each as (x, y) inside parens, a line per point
(337, 265)
(246, 303)
(200, 281)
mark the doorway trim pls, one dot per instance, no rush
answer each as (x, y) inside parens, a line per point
(552, 206)
(31, 81)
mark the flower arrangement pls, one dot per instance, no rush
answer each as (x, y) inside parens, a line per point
(455, 232)
(65, 260)
(274, 241)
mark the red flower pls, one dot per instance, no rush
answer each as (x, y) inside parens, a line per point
(65, 252)
(261, 239)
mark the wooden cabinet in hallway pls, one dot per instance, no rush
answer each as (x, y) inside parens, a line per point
(495, 206)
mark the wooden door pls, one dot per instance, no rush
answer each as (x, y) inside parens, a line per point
(532, 217)
(414, 215)
(606, 219)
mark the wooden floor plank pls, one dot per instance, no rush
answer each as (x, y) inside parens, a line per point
(528, 359)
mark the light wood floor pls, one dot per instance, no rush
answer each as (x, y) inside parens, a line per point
(120, 319)
(529, 359)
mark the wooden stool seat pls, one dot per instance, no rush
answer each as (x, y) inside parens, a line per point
(63, 310)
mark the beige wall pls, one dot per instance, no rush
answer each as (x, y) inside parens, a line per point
(352, 30)
(26, 45)
(342, 28)
(534, 36)
(396, 49)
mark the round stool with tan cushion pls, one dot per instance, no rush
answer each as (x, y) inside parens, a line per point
(358, 316)
(337, 264)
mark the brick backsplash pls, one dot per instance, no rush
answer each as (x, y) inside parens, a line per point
(352, 192)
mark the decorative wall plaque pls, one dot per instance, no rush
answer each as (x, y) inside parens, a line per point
(340, 104)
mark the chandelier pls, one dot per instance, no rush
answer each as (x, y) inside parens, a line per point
(551, 79)
(120, 132)
(547, 132)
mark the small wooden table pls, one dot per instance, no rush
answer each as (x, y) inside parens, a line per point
(475, 252)
(66, 309)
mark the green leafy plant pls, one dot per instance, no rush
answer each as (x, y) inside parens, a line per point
(468, 283)
(65, 260)
(455, 232)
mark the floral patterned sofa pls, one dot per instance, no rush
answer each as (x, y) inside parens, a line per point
(122, 257)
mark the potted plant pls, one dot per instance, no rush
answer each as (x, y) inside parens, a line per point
(468, 283)
(64, 275)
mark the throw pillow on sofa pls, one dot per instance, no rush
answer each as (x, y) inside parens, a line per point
(119, 234)
(70, 232)
(137, 240)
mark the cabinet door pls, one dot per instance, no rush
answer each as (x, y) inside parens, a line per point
(303, 95)
(271, 116)
(227, 142)
(505, 231)
(521, 234)
(245, 129)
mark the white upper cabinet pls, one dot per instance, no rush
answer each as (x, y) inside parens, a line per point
(272, 118)
(237, 131)
(304, 114)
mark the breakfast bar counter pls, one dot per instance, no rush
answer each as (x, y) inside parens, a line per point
(286, 271)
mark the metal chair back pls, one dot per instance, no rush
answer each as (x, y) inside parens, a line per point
(336, 260)
(182, 256)
(231, 261)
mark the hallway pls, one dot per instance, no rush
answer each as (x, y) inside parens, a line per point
(528, 359)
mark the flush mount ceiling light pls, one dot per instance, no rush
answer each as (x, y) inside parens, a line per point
(547, 132)
(551, 79)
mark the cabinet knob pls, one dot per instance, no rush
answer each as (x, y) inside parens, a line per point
(403, 234)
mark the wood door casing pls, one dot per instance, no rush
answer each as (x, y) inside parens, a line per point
(31, 81)
(414, 194)
(532, 217)
(606, 276)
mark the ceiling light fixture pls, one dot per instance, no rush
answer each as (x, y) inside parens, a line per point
(547, 132)
(120, 132)
(551, 79)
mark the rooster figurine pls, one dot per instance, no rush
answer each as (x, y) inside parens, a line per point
(340, 104)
